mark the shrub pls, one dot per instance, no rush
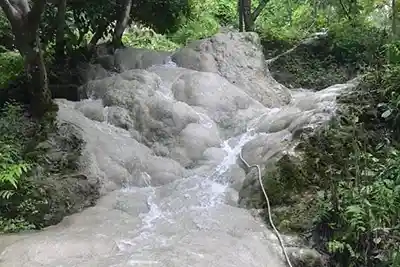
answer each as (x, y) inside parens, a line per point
(350, 168)
(6, 36)
(360, 208)
(11, 66)
(144, 37)
(162, 15)
(358, 44)
(202, 21)
(347, 51)
(13, 166)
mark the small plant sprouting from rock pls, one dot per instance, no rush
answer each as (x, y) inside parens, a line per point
(12, 165)
(39, 183)
(12, 168)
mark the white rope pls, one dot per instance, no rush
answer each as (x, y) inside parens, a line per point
(268, 208)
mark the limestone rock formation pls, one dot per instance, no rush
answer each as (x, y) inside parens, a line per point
(237, 57)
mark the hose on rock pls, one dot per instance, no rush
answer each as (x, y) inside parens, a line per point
(268, 208)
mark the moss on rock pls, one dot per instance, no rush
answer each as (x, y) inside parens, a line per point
(54, 189)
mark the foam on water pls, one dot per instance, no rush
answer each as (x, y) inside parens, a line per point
(164, 90)
(105, 114)
(204, 120)
(170, 63)
(141, 262)
(233, 152)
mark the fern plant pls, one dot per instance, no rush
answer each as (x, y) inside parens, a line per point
(12, 167)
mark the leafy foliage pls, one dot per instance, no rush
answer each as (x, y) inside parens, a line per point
(13, 167)
(11, 66)
(37, 181)
(351, 170)
(333, 59)
(201, 22)
(162, 15)
(144, 37)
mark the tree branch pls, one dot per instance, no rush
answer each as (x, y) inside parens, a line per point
(35, 15)
(101, 28)
(259, 9)
(345, 10)
(9, 10)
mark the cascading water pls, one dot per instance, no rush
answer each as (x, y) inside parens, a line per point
(182, 216)
(204, 190)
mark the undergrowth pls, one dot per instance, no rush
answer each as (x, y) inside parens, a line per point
(11, 66)
(144, 37)
(37, 165)
(14, 167)
(346, 51)
(348, 177)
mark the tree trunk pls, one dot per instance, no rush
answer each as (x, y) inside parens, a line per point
(60, 34)
(41, 101)
(240, 11)
(25, 24)
(122, 22)
(394, 20)
(246, 17)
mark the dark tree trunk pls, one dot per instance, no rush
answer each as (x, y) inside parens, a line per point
(240, 11)
(245, 20)
(122, 22)
(41, 101)
(60, 34)
(25, 24)
(248, 20)
(246, 17)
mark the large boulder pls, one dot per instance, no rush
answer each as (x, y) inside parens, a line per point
(239, 58)
(113, 157)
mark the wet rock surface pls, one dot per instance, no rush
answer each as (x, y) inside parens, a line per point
(238, 58)
(162, 142)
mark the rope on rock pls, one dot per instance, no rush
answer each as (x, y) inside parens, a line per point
(268, 208)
